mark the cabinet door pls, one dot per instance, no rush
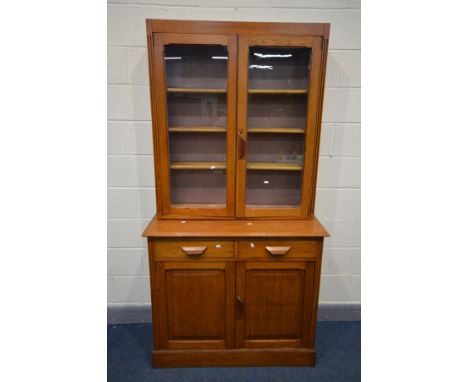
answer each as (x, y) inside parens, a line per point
(195, 305)
(275, 302)
(194, 119)
(279, 114)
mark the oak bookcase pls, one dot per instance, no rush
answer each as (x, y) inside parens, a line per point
(235, 250)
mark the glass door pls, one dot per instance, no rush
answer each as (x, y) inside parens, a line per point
(196, 102)
(279, 85)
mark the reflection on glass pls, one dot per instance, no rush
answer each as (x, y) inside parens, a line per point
(276, 125)
(196, 82)
(278, 68)
(196, 66)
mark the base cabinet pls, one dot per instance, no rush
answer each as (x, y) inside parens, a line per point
(219, 302)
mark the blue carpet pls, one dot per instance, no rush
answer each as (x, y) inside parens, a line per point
(338, 348)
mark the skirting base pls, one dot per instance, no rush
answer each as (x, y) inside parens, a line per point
(234, 357)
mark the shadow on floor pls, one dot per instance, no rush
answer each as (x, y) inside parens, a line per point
(338, 348)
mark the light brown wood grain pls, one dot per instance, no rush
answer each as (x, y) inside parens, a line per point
(237, 27)
(195, 90)
(312, 143)
(274, 166)
(256, 248)
(275, 130)
(277, 91)
(198, 129)
(197, 165)
(170, 249)
(235, 228)
(234, 357)
(231, 127)
(243, 62)
(198, 299)
(319, 112)
(235, 284)
(274, 304)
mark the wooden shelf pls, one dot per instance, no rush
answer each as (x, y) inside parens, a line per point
(274, 166)
(195, 90)
(198, 165)
(277, 130)
(197, 129)
(277, 91)
(236, 228)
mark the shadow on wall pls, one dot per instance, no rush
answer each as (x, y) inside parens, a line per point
(338, 200)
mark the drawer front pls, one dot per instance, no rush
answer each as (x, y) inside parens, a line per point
(279, 249)
(193, 249)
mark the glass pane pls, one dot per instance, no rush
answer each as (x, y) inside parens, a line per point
(198, 186)
(273, 188)
(196, 66)
(276, 125)
(277, 111)
(196, 81)
(197, 147)
(196, 110)
(276, 148)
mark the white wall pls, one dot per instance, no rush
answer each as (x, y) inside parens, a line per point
(131, 200)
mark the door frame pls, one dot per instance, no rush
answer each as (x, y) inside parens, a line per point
(312, 138)
(160, 125)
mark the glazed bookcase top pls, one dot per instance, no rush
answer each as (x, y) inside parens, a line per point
(236, 114)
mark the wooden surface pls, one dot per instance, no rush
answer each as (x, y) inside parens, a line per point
(197, 165)
(195, 90)
(277, 91)
(219, 297)
(277, 300)
(274, 166)
(171, 249)
(238, 27)
(234, 357)
(197, 129)
(275, 130)
(235, 228)
(297, 248)
(196, 304)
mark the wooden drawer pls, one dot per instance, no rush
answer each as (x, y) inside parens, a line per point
(193, 249)
(279, 249)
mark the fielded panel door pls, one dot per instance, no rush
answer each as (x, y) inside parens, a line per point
(274, 304)
(195, 106)
(195, 305)
(279, 102)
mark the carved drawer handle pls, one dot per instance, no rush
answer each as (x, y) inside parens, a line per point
(193, 250)
(278, 251)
